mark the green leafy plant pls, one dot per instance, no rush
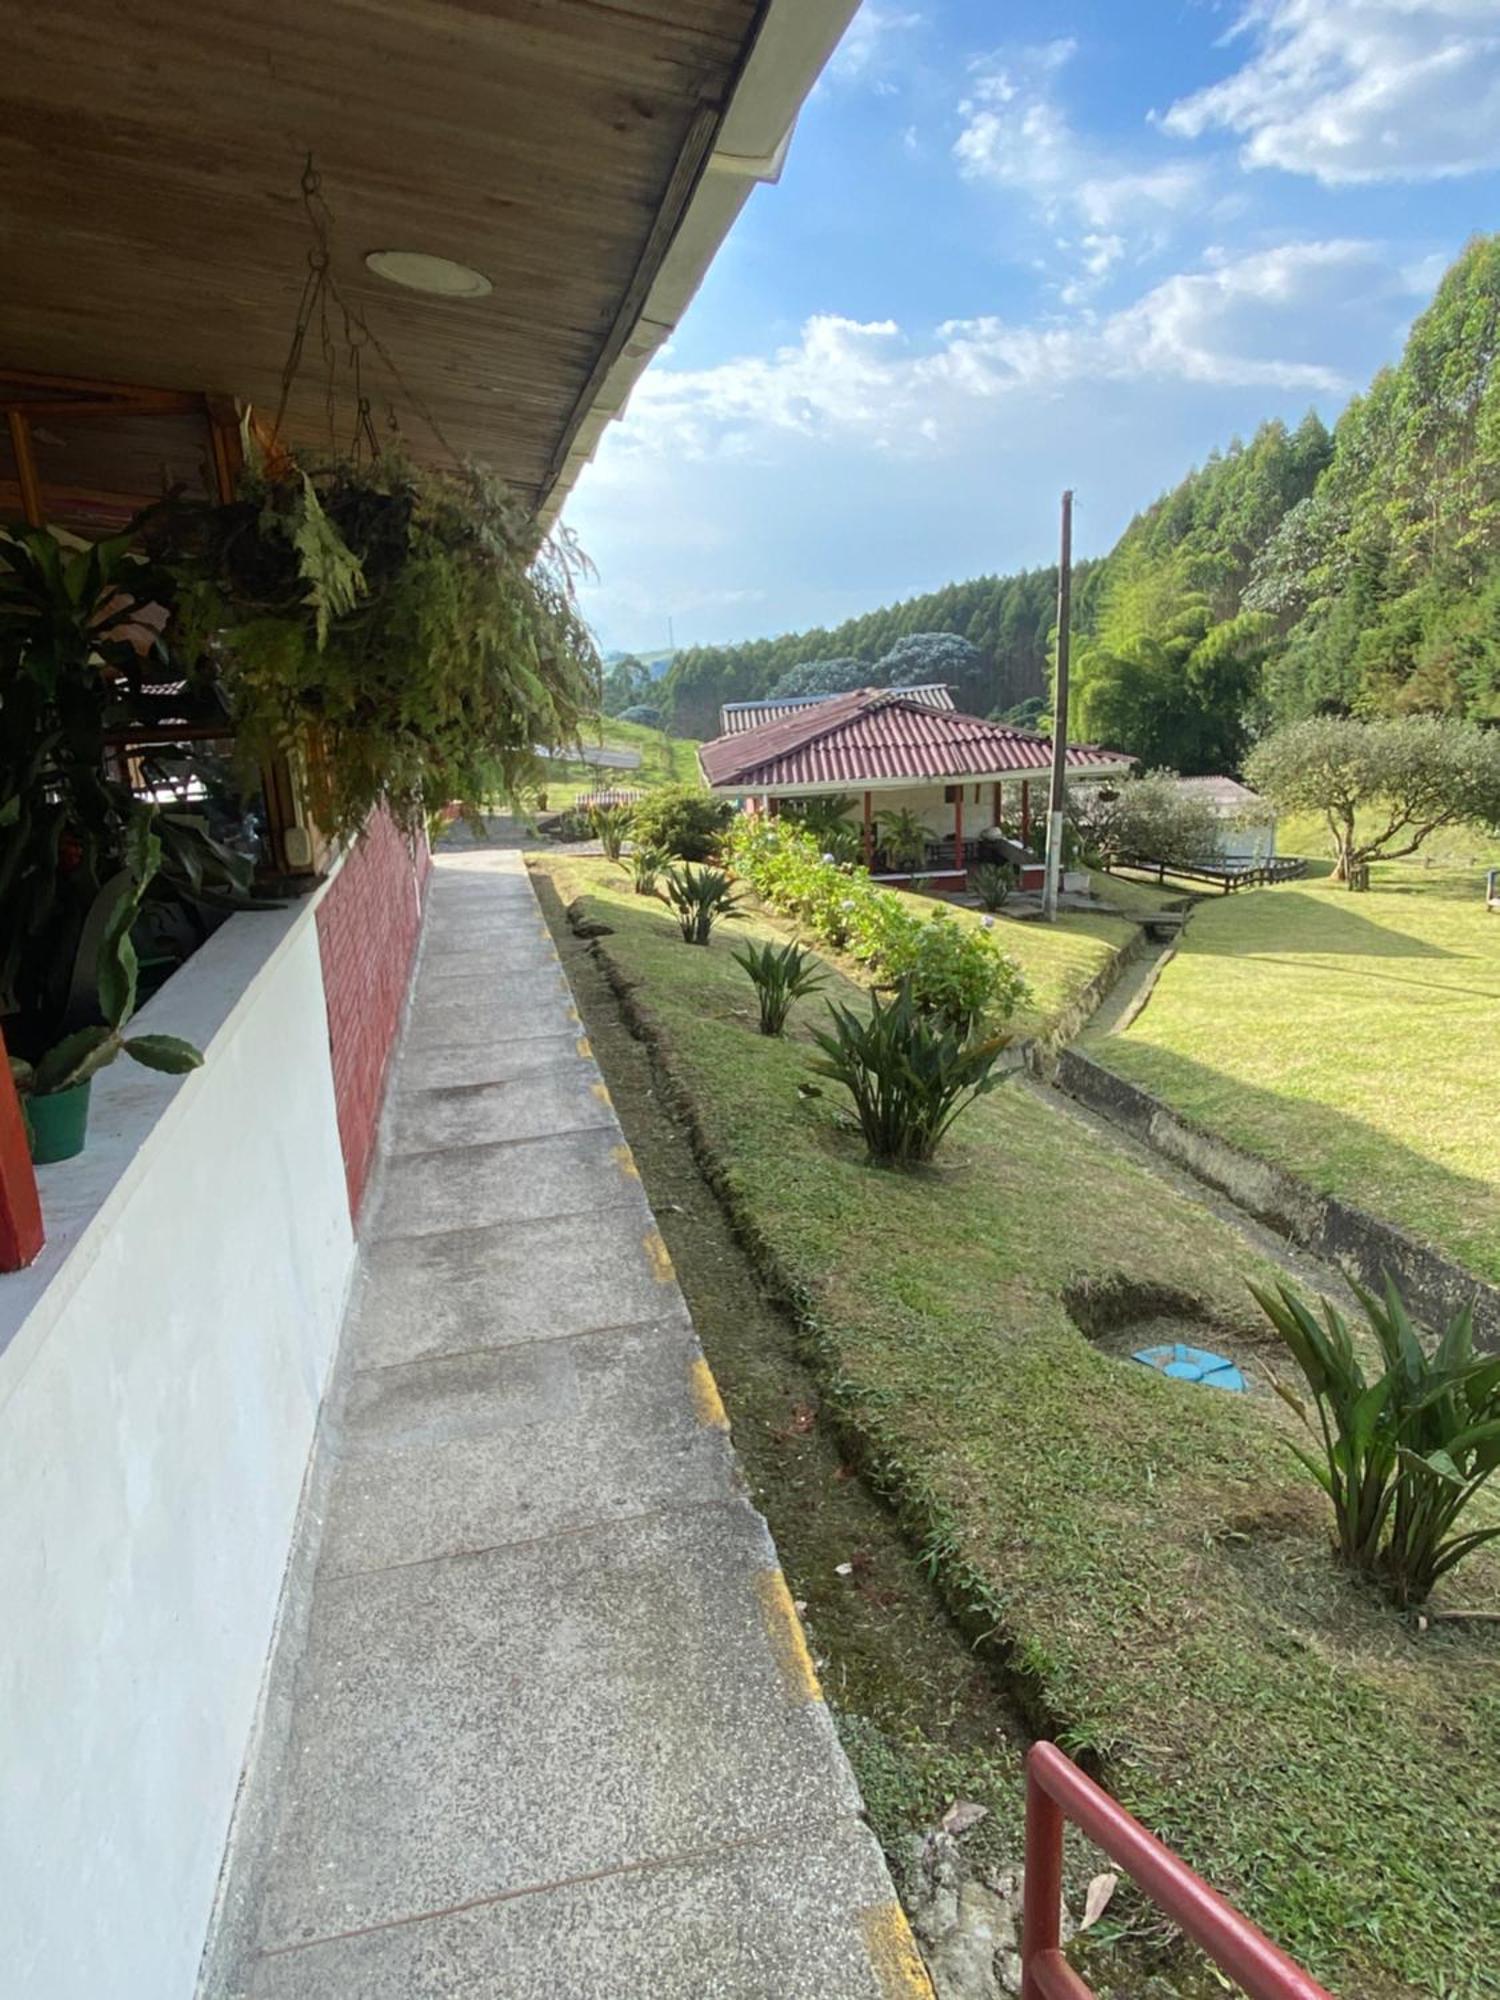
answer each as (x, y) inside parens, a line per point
(413, 624)
(682, 822)
(909, 1075)
(646, 865)
(903, 839)
(1403, 1452)
(992, 882)
(698, 898)
(81, 656)
(611, 824)
(81, 1055)
(780, 975)
(954, 972)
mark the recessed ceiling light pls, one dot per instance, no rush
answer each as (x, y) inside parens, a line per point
(421, 273)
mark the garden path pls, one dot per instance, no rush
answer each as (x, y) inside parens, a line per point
(542, 1720)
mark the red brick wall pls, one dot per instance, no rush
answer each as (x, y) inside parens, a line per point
(368, 925)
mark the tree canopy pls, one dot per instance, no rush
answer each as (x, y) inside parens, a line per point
(1384, 786)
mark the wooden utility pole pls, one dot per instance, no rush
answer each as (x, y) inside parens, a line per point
(1057, 805)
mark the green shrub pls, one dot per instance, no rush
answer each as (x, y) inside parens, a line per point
(698, 898)
(780, 974)
(646, 865)
(954, 971)
(681, 822)
(610, 824)
(909, 1075)
(957, 974)
(904, 838)
(992, 882)
(1404, 1454)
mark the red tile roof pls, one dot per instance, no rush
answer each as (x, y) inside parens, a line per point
(738, 717)
(882, 736)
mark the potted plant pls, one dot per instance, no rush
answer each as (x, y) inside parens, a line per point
(54, 1090)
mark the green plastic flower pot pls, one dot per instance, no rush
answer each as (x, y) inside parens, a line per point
(58, 1123)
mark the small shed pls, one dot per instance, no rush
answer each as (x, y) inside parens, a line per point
(1247, 823)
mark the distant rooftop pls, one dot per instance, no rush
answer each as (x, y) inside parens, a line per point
(1225, 795)
(735, 717)
(883, 738)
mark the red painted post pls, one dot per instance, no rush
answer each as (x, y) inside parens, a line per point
(21, 1233)
(1057, 1789)
(1041, 1896)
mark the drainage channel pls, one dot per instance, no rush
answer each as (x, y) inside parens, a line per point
(929, 1725)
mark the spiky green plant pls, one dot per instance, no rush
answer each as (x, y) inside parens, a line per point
(909, 1075)
(1404, 1451)
(903, 838)
(646, 864)
(698, 898)
(780, 975)
(992, 882)
(611, 824)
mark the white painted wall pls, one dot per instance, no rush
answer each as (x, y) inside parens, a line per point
(161, 1368)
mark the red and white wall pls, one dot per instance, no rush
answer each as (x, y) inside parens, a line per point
(162, 1367)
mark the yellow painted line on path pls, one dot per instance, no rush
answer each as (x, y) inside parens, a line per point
(707, 1401)
(784, 1630)
(585, 1048)
(660, 1257)
(624, 1159)
(601, 1091)
(893, 1953)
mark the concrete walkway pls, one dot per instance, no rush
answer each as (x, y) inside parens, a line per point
(548, 1726)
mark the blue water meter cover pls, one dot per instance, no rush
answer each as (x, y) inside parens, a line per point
(1192, 1364)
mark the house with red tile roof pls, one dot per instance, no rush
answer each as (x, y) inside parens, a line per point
(973, 784)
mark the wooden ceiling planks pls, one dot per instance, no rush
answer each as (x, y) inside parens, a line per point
(151, 227)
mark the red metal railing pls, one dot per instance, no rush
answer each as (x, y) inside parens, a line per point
(1056, 1790)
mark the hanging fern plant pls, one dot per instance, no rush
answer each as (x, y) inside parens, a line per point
(409, 629)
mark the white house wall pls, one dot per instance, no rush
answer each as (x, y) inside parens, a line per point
(161, 1369)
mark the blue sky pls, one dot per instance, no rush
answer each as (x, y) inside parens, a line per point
(1018, 247)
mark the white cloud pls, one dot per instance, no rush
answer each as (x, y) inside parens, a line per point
(865, 53)
(1262, 320)
(1017, 135)
(1360, 90)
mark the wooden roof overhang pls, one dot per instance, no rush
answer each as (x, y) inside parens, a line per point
(587, 156)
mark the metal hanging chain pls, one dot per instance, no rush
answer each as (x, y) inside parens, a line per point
(318, 287)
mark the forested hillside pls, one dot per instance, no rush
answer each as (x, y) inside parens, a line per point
(1007, 620)
(1356, 571)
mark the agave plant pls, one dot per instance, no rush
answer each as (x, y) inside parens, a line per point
(698, 898)
(780, 975)
(1403, 1452)
(909, 1075)
(992, 882)
(646, 864)
(610, 824)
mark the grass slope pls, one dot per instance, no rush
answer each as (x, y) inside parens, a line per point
(1154, 1560)
(665, 760)
(1350, 1039)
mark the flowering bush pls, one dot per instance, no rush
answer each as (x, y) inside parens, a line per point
(953, 973)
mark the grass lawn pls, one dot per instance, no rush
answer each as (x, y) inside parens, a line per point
(1061, 960)
(1151, 1560)
(665, 760)
(1350, 1039)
